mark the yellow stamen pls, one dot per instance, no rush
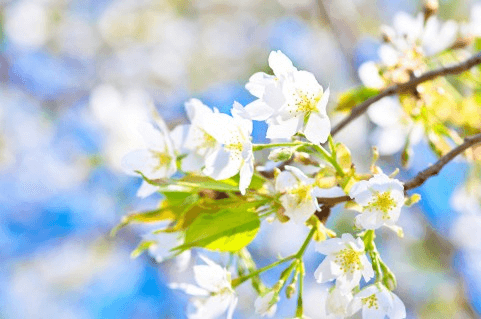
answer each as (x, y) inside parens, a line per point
(370, 301)
(349, 260)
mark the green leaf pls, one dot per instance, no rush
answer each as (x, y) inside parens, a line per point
(353, 97)
(229, 229)
(143, 246)
(343, 157)
(170, 209)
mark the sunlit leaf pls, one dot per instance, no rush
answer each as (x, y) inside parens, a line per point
(229, 229)
(143, 246)
(353, 97)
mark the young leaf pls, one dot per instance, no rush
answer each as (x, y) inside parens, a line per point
(143, 246)
(353, 97)
(229, 229)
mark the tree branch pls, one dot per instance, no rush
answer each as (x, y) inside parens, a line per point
(433, 170)
(422, 176)
(407, 86)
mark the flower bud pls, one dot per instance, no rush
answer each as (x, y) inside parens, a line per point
(387, 34)
(462, 42)
(281, 154)
(290, 290)
(430, 8)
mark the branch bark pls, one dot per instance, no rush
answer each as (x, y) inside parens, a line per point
(407, 86)
(433, 170)
(422, 176)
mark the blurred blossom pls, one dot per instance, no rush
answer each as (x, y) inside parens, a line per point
(120, 115)
(26, 24)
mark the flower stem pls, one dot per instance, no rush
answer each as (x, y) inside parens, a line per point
(328, 157)
(300, 306)
(305, 244)
(236, 282)
(259, 147)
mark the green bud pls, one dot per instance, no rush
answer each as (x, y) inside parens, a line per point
(290, 290)
(281, 154)
(413, 199)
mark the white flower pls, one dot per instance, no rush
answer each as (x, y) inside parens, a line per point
(337, 303)
(428, 38)
(394, 126)
(299, 194)
(369, 75)
(290, 100)
(235, 155)
(193, 139)
(267, 304)
(161, 247)
(156, 161)
(377, 302)
(381, 197)
(463, 232)
(474, 26)
(214, 295)
(345, 261)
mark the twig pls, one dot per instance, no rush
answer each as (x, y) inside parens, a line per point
(407, 86)
(422, 176)
(432, 170)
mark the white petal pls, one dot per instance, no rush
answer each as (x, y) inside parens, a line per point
(373, 313)
(179, 135)
(324, 272)
(189, 289)
(284, 129)
(221, 165)
(154, 138)
(258, 82)
(329, 192)
(136, 161)
(280, 64)
(330, 246)
(193, 162)
(321, 106)
(369, 75)
(317, 128)
(195, 108)
(369, 220)
(284, 181)
(232, 306)
(299, 174)
(258, 110)
(146, 190)
(398, 310)
(246, 172)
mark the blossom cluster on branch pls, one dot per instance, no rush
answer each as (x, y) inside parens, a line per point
(217, 191)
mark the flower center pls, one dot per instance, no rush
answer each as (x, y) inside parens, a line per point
(207, 140)
(349, 260)
(304, 102)
(163, 159)
(371, 301)
(302, 192)
(383, 202)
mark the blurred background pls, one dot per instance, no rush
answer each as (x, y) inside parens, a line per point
(76, 78)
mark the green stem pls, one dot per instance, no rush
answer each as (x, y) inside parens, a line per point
(236, 282)
(328, 157)
(300, 307)
(371, 249)
(305, 244)
(259, 147)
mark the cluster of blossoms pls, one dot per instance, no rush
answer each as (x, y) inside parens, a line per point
(410, 47)
(218, 146)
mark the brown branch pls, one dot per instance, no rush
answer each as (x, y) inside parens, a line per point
(433, 170)
(407, 86)
(422, 176)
